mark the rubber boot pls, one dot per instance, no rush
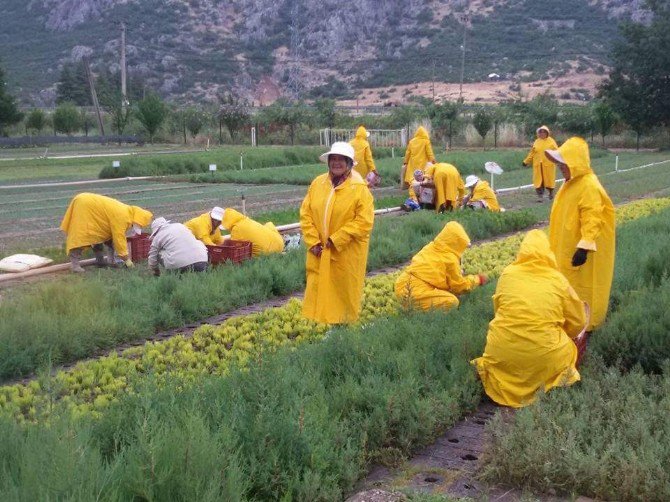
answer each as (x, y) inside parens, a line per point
(551, 193)
(540, 194)
(75, 255)
(111, 259)
(98, 251)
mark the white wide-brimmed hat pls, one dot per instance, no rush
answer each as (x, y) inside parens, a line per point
(471, 181)
(157, 224)
(217, 213)
(555, 156)
(338, 148)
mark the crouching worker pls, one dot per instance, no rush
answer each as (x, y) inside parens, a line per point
(94, 220)
(481, 195)
(434, 277)
(528, 346)
(421, 193)
(205, 227)
(176, 248)
(265, 239)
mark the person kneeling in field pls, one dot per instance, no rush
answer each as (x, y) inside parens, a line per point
(94, 220)
(265, 239)
(421, 193)
(481, 195)
(174, 246)
(537, 312)
(205, 227)
(434, 277)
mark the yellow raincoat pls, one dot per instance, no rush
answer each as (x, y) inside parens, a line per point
(265, 239)
(345, 214)
(362, 153)
(418, 153)
(93, 219)
(201, 227)
(483, 191)
(434, 277)
(582, 216)
(544, 170)
(449, 185)
(528, 346)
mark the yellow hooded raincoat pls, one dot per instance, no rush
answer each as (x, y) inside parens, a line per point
(265, 239)
(582, 216)
(418, 153)
(449, 185)
(528, 345)
(93, 219)
(201, 227)
(345, 214)
(483, 191)
(434, 277)
(544, 170)
(362, 153)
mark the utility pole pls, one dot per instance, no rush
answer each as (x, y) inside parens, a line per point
(94, 95)
(433, 82)
(465, 29)
(124, 98)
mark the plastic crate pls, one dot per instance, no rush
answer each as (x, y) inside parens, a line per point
(138, 246)
(234, 251)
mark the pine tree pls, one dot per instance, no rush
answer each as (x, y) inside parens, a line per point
(9, 112)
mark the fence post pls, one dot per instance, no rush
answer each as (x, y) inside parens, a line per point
(616, 163)
(241, 160)
(253, 136)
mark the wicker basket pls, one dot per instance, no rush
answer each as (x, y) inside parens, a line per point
(138, 246)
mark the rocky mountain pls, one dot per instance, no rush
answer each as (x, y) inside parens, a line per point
(196, 49)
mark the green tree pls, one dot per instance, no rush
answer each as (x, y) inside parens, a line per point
(325, 110)
(233, 113)
(9, 112)
(37, 120)
(194, 120)
(604, 118)
(541, 110)
(66, 119)
(576, 120)
(286, 113)
(72, 86)
(638, 87)
(483, 121)
(86, 121)
(499, 115)
(151, 113)
(444, 118)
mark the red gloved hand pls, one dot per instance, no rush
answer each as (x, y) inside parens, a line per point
(316, 250)
(482, 279)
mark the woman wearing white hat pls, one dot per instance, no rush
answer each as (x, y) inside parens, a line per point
(481, 195)
(206, 227)
(336, 219)
(176, 248)
(544, 170)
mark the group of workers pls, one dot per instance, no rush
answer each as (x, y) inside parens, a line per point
(542, 299)
(97, 221)
(557, 288)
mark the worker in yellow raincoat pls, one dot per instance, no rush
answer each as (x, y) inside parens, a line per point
(434, 277)
(363, 161)
(449, 186)
(581, 228)
(265, 239)
(92, 219)
(481, 195)
(336, 219)
(537, 312)
(206, 227)
(544, 170)
(419, 152)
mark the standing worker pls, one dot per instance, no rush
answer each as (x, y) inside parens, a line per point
(363, 162)
(537, 313)
(449, 186)
(205, 227)
(265, 239)
(336, 219)
(581, 228)
(176, 248)
(419, 152)
(481, 195)
(434, 278)
(92, 219)
(544, 170)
